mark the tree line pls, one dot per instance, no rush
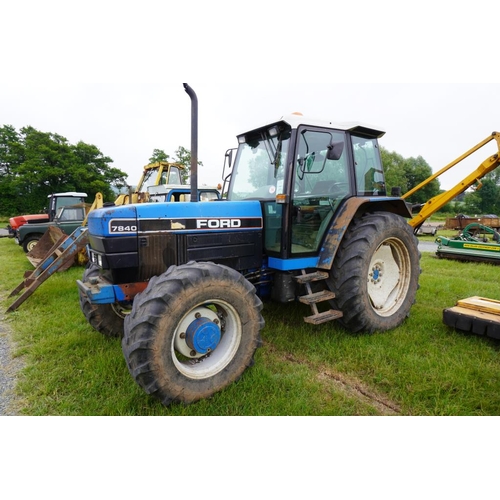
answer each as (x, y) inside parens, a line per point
(35, 164)
(408, 173)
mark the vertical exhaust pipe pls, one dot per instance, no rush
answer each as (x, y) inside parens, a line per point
(194, 142)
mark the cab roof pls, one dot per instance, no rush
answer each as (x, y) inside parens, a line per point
(296, 119)
(71, 194)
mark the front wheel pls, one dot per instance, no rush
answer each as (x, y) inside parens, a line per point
(192, 332)
(105, 318)
(375, 273)
(31, 242)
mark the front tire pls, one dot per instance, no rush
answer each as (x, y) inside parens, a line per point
(105, 318)
(192, 332)
(375, 273)
(31, 242)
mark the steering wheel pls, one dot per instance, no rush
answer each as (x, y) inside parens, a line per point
(339, 189)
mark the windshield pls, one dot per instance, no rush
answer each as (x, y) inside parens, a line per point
(69, 213)
(259, 168)
(169, 176)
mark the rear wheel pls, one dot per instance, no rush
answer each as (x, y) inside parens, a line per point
(105, 318)
(375, 273)
(192, 332)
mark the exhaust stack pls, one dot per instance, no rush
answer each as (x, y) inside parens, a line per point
(194, 142)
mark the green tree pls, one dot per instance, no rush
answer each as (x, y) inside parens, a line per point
(11, 155)
(485, 200)
(418, 170)
(394, 170)
(34, 164)
(159, 155)
(408, 173)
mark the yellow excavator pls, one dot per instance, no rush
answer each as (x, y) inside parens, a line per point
(153, 176)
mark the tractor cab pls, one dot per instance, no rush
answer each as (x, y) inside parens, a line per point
(302, 171)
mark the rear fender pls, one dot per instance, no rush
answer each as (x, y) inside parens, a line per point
(352, 208)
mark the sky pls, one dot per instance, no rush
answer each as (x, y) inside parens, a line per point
(127, 121)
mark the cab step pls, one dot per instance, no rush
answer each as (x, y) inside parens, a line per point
(314, 298)
(324, 317)
(311, 277)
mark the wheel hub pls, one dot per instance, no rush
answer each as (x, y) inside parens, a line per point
(386, 278)
(203, 336)
(376, 274)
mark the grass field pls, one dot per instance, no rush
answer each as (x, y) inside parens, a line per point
(421, 368)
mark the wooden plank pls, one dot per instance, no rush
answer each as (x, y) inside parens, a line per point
(481, 304)
(475, 313)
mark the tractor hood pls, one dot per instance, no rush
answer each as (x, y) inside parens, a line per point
(175, 217)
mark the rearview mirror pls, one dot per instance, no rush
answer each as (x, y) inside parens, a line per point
(335, 150)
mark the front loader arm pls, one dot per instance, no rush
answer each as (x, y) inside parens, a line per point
(98, 203)
(439, 201)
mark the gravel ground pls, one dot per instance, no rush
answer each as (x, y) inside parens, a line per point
(427, 246)
(8, 366)
(8, 369)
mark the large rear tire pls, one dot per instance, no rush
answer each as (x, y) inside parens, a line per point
(105, 318)
(192, 332)
(375, 273)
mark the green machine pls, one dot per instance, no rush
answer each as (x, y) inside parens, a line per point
(476, 243)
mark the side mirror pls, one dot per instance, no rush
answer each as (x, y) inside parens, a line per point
(229, 158)
(335, 150)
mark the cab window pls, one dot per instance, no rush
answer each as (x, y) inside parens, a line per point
(321, 182)
(368, 167)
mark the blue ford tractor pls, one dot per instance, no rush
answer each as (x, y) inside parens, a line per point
(306, 218)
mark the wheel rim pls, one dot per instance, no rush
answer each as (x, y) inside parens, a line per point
(220, 348)
(31, 245)
(389, 277)
(122, 311)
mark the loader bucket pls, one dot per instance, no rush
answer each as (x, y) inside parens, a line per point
(49, 242)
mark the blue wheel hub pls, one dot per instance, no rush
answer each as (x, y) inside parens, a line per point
(203, 335)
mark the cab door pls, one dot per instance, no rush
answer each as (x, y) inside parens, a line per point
(321, 181)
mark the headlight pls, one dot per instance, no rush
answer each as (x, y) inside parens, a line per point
(95, 258)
